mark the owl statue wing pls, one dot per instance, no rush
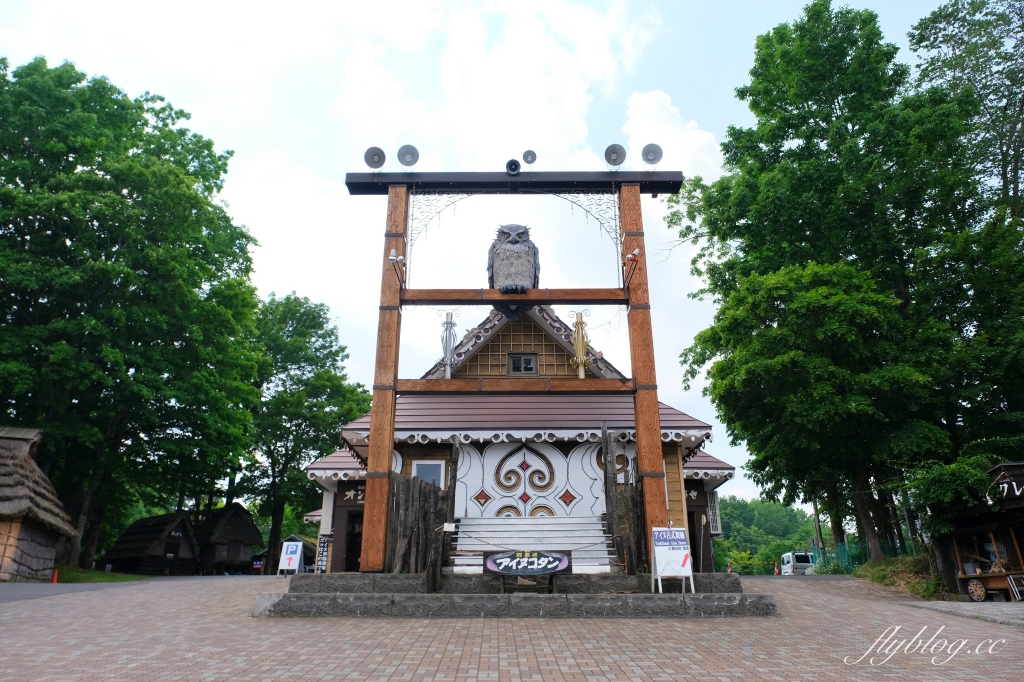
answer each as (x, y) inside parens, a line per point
(490, 266)
(536, 267)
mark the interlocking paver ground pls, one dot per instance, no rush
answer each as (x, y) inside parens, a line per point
(202, 629)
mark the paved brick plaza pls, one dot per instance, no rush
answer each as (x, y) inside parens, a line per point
(201, 629)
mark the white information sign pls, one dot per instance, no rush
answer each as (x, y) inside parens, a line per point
(672, 557)
(291, 557)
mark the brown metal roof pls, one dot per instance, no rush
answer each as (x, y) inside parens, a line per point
(702, 460)
(426, 412)
(340, 459)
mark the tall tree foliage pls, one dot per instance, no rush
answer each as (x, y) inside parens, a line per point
(832, 205)
(306, 398)
(127, 309)
(978, 45)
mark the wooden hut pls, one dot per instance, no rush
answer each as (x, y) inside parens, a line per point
(227, 539)
(158, 545)
(32, 519)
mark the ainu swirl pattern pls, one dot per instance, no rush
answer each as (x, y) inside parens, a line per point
(510, 479)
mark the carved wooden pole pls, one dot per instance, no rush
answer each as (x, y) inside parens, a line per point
(650, 463)
(382, 417)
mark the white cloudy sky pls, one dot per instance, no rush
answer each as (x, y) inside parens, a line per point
(299, 90)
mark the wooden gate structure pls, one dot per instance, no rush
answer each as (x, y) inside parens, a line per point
(627, 187)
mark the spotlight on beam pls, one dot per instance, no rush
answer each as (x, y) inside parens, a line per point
(512, 167)
(529, 157)
(374, 157)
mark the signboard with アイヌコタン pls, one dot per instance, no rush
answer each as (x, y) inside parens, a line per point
(518, 562)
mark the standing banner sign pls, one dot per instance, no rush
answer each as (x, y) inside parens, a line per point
(672, 558)
(291, 557)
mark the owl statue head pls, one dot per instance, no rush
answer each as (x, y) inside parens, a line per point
(513, 234)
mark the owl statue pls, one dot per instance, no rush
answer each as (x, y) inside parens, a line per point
(513, 266)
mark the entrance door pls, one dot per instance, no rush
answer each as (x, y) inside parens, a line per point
(353, 541)
(170, 559)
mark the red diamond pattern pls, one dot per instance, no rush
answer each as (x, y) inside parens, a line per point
(482, 497)
(525, 498)
(567, 497)
(525, 466)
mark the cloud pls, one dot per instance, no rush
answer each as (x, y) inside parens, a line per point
(651, 117)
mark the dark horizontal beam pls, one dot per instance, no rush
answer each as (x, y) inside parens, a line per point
(560, 385)
(547, 296)
(651, 182)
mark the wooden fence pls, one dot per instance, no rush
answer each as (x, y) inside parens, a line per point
(629, 528)
(414, 538)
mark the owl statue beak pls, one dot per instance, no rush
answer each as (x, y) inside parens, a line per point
(513, 240)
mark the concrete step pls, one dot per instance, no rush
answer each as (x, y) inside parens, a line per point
(398, 605)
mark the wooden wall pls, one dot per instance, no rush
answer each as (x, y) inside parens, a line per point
(522, 336)
(27, 551)
(674, 483)
(431, 451)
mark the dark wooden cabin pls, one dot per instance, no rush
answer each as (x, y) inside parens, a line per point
(158, 545)
(227, 539)
(32, 519)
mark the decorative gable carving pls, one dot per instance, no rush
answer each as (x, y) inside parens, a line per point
(483, 350)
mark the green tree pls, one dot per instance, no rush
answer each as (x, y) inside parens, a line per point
(306, 398)
(837, 199)
(978, 45)
(124, 285)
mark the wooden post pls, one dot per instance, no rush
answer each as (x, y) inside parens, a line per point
(382, 418)
(641, 347)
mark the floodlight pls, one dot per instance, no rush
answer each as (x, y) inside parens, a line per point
(512, 167)
(529, 156)
(374, 157)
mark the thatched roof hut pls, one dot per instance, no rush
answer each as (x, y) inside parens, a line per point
(32, 519)
(226, 540)
(158, 545)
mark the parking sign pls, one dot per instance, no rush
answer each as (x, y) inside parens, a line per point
(291, 557)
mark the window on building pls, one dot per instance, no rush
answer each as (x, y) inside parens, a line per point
(522, 364)
(429, 470)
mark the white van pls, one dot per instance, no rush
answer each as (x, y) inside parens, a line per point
(796, 563)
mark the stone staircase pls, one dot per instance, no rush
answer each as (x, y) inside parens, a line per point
(584, 536)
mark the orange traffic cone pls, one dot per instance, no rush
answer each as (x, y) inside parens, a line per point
(777, 571)
(54, 578)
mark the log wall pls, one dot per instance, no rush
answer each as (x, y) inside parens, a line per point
(27, 551)
(414, 542)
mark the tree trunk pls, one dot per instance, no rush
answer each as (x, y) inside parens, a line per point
(83, 512)
(229, 493)
(861, 493)
(274, 542)
(835, 506)
(890, 505)
(92, 539)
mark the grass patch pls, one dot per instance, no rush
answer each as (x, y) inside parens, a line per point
(911, 574)
(74, 574)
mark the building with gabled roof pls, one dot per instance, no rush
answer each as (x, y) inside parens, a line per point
(226, 540)
(32, 519)
(157, 545)
(534, 456)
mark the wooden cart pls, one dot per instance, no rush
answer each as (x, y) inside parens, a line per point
(980, 555)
